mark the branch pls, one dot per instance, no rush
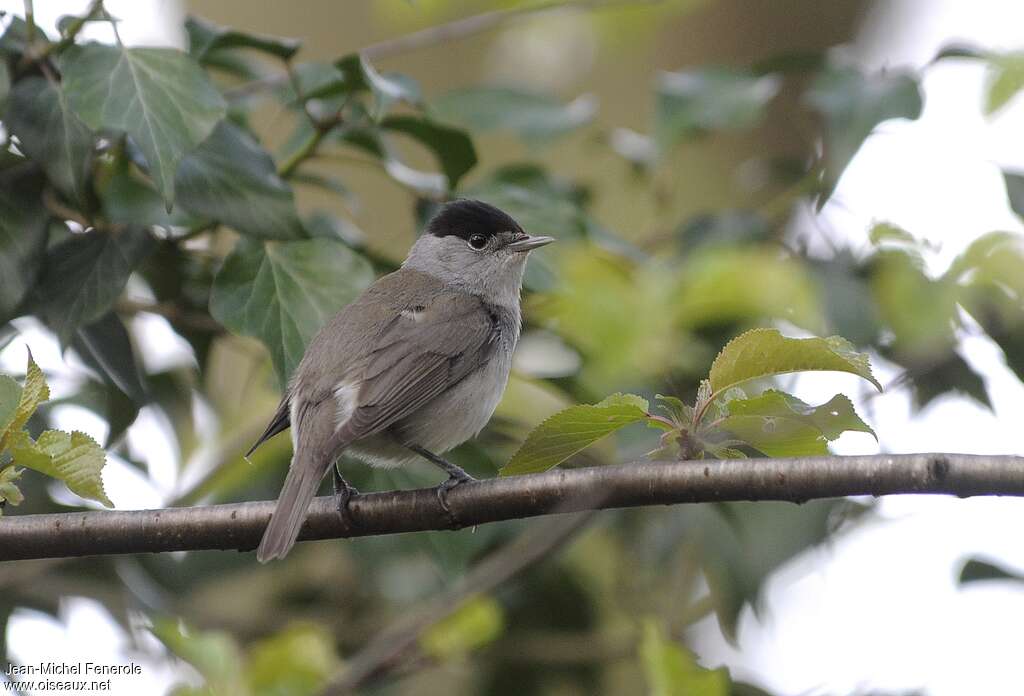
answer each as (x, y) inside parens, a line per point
(240, 525)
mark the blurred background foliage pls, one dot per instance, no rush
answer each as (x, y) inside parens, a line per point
(669, 147)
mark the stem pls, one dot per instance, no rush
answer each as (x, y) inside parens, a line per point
(304, 152)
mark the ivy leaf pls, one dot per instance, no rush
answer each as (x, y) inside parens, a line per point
(283, 292)
(5, 84)
(159, 96)
(49, 133)
(23, 235)
(476, 623)
(573, 429)
(533, 116)
(74, 458)
(670, 670)
(765, 352)
(852, 104)
(452, 147)
(232, 179)
(691, 102)
(977, 570)
(86, 273)
(206, 38)
(781, 425)
(105, 346)
(359, 75)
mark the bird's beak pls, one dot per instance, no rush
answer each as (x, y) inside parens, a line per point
(528, 243)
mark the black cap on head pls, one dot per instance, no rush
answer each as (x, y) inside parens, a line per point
(464, 217)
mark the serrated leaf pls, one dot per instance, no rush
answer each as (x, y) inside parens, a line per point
(23, 237)
(49, 133)
(679, 412)
(670, 670)
(533, 116)
(765, 352)
(10, 395)
(205, 38)
(283, 292)
(479, 621)
(691, 102)
(33, 392)
(832, 418)
(159, 96)
(452, 147)
(1006, 79)
(781, 425)
(852, 104)
(232, 179)
(74, 458)
(572, 430)
(86, 273)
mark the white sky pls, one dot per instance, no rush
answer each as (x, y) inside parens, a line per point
(879, 608)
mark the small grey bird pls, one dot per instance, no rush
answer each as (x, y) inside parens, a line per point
(414, 367)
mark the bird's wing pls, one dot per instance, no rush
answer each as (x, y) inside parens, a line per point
(424, 351)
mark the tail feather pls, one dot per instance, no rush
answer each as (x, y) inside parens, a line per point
(292, 506)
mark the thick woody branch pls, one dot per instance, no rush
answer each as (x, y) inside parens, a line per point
(240, 526)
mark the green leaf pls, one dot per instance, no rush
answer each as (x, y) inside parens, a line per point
(359, 75)
(86, 273)
(159, 96)
(34, 392)
(679, 412)
(573, 429)
(765, 352)
(832, 418)
(781, 425)
(691, 102)
(283, 292)
(1006, 79)
(670, 670)
(9, 491)
(232, 179)
(10, 396)
(533, 116)
(105, 346)
(75, 458)
(478, 622)
(452, 147)
(852, 104)
(5, 84)
(1015, 191)
(298, 660)
(23, 235)
(977, 570)
(887, 232)
(49, 133)
(206, 38)
(214, 654)
(128, 199)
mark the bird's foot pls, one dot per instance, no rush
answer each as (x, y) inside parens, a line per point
(343, 494)
(453, 480)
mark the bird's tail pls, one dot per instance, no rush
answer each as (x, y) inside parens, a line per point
(292, 506)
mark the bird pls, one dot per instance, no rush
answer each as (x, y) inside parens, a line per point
(412, 368)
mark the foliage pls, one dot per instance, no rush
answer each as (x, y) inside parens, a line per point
(74, 458)
(775, 423)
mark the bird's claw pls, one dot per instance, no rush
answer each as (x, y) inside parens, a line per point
(343, 494)
(442, 494)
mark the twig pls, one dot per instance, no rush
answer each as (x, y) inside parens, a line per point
(476, 24)
(172, 313)
(240, 525)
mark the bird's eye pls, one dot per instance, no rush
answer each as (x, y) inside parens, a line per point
(477, 241)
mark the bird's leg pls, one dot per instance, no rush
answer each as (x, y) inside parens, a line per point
(343, 492)
(456, 475)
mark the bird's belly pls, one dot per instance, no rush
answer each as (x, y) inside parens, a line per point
(445, 422)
